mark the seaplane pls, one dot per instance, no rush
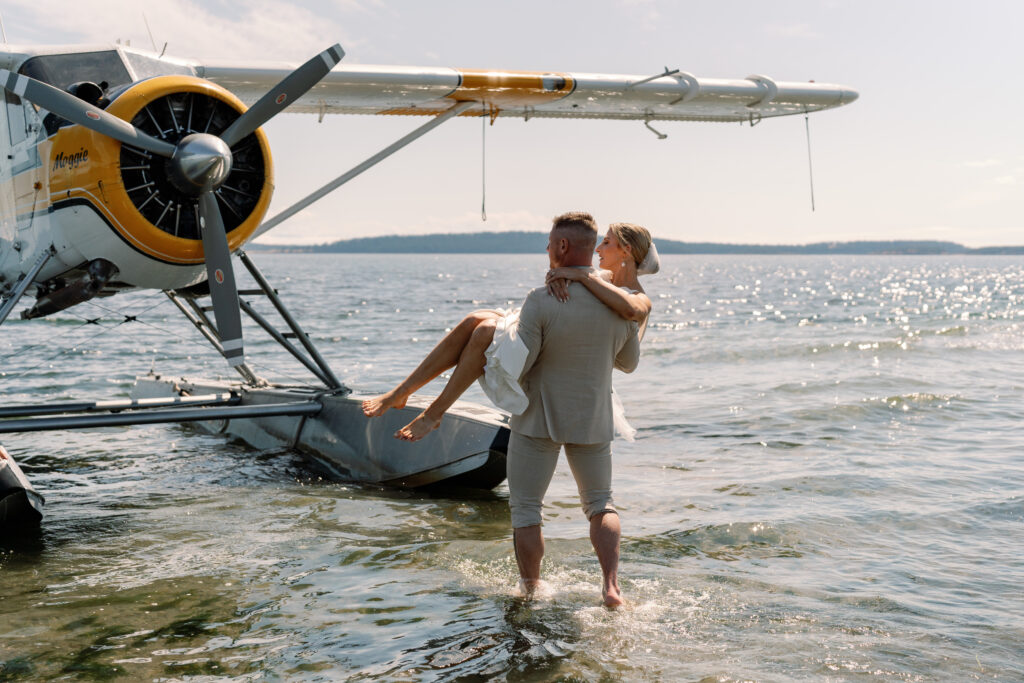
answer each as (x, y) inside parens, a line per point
(123, 169)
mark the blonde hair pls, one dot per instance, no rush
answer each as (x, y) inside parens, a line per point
(636, 237)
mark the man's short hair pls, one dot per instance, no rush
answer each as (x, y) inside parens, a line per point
(579, 227)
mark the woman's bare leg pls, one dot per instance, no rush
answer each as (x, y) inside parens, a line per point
(443, 356)
(469, 368)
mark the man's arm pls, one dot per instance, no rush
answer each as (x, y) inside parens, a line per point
(529, 328)
(628, 356)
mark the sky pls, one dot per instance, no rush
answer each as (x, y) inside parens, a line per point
(932, 150)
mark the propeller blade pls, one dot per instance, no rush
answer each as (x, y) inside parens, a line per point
(77, 111)
(221, 278)
(283, 94)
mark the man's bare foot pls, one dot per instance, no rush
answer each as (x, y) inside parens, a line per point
(534, 589)
(612, 597)
(378, 405)
(418, 428)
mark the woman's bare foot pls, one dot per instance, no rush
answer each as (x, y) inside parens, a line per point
(418, 428)
(378, 405)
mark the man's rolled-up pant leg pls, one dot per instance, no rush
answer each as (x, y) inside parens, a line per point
(530, 464)
(592, 467)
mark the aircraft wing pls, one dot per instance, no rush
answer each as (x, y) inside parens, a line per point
(428, 91)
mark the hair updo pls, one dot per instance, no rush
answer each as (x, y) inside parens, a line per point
(636, 237)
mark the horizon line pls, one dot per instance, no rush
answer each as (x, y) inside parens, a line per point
(768, 245)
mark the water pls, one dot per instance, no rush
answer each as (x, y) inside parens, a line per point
(826, 485)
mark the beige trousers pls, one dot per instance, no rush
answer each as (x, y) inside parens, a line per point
(531, 464)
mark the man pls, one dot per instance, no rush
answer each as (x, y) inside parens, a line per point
(573, 347)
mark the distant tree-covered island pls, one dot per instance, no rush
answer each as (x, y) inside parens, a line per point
(534, 242)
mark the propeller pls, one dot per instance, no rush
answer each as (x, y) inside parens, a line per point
(199, 164)
(284, 93)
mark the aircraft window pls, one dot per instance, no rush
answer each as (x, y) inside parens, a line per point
(147, 67)
(16, 118)
(61, 71)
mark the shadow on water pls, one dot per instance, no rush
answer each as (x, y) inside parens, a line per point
(319, 472)
(21, 534)
(23, 545)
(530, 641)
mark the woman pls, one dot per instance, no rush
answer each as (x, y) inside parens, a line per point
(475, 346)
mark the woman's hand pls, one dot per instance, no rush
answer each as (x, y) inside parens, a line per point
(559, 288)
(576, 274)
(557, 281)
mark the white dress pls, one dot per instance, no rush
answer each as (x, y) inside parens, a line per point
(506, 358)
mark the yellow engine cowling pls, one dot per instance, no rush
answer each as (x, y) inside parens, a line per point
(130, 189)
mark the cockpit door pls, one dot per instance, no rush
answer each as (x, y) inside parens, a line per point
(22, 130)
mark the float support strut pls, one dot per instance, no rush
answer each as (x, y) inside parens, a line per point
(24, 284)
(42, 424)
(325, 374)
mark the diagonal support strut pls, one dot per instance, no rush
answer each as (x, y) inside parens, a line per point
(24, 284)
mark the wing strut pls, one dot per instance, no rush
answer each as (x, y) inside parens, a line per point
(24, 284)
(356, 170)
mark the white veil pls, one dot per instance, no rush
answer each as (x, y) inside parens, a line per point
(651, 263)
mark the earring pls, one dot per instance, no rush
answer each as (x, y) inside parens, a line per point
(623, 264)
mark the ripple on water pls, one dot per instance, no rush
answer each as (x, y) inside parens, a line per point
(726, 542)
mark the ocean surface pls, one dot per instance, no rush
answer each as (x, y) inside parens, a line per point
(827, 485)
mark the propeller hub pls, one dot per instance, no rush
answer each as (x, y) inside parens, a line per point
(201, 163)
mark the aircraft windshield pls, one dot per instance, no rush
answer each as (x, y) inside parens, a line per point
(147, 67)
(61, 71)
